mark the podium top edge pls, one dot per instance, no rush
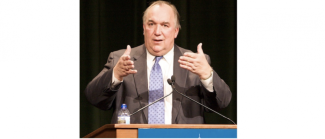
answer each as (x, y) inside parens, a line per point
(211, 126)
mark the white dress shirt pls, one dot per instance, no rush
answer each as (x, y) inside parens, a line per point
(167, 65)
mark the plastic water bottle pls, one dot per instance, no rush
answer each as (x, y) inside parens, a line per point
(123, 116)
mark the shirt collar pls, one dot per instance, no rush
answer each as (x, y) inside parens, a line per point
(168, 57)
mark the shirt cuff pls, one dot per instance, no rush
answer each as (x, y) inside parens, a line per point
(115, 81)
(208, 84)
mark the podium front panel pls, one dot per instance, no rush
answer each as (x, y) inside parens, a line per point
(164, 131)
(186, 133)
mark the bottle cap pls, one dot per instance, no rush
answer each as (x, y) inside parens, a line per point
(123, 106)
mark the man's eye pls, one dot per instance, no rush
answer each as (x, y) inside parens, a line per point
(150, 24)
(165, 25)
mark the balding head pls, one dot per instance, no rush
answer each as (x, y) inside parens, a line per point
(176, 14)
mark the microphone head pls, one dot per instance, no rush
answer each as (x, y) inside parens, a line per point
(173, 78)
(169, 81)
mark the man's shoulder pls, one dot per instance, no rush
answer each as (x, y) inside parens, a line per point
(133, 50)
(183, 50)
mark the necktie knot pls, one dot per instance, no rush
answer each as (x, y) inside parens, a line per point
(158, 58)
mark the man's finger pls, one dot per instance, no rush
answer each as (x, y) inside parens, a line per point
(130, 67)
(129, 62)
(189, 54)
(199, 49)
(126, 57)
(183, 62)
(183, 59)
(186, 67)
(128, 50)
(125, 63)
(131, 71)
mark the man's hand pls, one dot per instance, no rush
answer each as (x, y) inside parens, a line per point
(124, 65)
(196, 63)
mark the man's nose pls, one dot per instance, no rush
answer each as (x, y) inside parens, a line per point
(158, 30)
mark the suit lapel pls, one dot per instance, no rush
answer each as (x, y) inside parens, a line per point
(141, 83)
(180, 81)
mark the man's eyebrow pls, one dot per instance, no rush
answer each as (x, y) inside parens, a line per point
(162, 22)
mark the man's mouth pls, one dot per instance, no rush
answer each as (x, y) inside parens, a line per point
(157, 40)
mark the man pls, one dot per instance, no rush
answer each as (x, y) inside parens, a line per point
(138, 76)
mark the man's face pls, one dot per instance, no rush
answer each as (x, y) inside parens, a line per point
(159, 30)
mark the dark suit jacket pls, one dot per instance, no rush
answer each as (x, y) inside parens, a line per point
(133, 91)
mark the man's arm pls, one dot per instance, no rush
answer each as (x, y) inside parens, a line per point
(199, 64)
(101, 91)
(221, 95)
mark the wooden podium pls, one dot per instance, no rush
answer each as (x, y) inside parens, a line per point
(164, 131)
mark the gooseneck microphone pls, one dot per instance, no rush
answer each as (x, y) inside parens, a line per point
(172, 82)
(151, 103)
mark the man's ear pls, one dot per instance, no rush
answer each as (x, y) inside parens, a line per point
(143, 28)
(176, 32)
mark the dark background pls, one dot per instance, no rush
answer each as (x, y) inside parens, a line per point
(107, 25)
